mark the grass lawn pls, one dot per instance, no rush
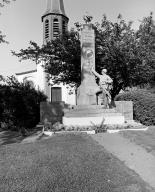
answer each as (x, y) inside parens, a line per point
(65, 163)
(144, 138)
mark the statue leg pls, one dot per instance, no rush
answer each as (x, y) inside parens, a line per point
(104, 99)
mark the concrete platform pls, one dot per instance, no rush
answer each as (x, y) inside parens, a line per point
(90, 115)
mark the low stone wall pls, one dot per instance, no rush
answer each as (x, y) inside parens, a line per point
(126, 108)
(53, 112)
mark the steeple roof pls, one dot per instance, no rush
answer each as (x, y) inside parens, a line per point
(55, 7)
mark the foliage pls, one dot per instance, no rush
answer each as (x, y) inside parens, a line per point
(128, 55)
(123, 52)
(2, 4)
(143, 105)
(19, 104)
(61, 57)
(2, 38)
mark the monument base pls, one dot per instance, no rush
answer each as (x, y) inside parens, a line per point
(91, 115)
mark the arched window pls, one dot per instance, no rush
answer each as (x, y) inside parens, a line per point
(31, 83)
(26, 81)
(55, 27)
(63, 27)
(47, 29)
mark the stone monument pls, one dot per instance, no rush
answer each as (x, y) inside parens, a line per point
(86, 94)
(87, 112)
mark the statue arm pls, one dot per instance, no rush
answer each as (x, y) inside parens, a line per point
(110, 80)
(95, 73)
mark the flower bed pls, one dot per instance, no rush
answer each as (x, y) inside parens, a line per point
(60, 128)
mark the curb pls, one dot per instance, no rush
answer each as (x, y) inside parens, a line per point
(118, 130)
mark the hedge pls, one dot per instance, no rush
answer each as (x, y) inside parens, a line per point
(19, 105)
(143, 105)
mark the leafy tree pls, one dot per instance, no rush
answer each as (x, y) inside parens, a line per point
(61, 56)
(2, 4)
(123, 52)
(146, 37)
(128, 55)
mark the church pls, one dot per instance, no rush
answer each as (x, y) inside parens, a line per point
(55, 22)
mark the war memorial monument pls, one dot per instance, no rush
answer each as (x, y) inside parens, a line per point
(93, 100)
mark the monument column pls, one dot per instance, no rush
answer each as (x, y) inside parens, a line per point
(86, 94)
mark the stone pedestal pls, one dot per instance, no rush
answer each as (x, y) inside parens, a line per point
(88, 115)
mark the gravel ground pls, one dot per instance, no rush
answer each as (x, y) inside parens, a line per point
(145, 139)
(134, 156)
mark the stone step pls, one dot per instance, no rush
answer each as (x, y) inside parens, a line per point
(89, 121)
(90, 114)
(90, 110)
(81, 107)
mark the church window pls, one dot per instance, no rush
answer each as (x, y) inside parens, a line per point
(55, 27)
(26, 81)
(47, 29)
(63, 27)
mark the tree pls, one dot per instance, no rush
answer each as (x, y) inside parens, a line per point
(61, 57)
(2, 4)
(125, 53)
(146, 37)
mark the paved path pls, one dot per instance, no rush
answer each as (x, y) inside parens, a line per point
(134, 156)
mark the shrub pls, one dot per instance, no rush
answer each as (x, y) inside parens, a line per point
(19, 105)
(143, 105)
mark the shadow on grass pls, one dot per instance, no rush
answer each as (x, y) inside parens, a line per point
(10, 137)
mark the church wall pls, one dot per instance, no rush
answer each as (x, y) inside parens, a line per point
(38, 79)
(27, 77)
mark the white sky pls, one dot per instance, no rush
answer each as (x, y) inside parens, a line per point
(21, 22)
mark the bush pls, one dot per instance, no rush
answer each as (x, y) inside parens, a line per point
(143, 105)
(19, 105)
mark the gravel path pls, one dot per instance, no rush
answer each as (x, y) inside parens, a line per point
(134, 156)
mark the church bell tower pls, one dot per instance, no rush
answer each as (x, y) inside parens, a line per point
(55, 21)
(55, 24)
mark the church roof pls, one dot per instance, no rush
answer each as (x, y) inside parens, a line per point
(26, 72)
(55, 7)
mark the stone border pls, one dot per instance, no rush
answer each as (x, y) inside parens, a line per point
(118, 130)
(50, 133)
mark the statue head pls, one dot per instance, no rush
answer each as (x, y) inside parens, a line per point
(104, 71)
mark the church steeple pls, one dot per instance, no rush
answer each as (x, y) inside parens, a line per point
(55, 6)
(55, 21)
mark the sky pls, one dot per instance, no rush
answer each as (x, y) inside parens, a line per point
(21, 22)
